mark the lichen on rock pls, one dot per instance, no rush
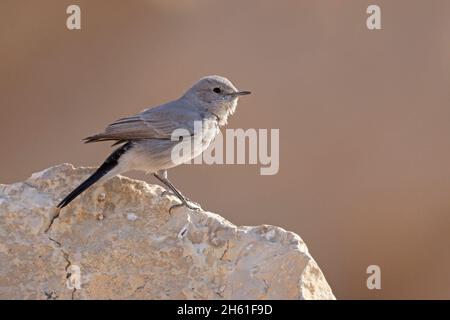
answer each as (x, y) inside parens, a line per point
(119, 241)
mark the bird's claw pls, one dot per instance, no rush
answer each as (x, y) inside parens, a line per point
(192, 204)
(188, 204)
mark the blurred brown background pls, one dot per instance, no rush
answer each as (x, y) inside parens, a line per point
(364, 116)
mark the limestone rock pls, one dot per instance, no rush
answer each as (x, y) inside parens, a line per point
(119, 241)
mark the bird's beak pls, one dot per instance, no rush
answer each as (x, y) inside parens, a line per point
(240, 93)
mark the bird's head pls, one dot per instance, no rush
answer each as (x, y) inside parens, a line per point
(217, 95)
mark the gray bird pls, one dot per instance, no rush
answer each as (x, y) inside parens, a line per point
(145, 139)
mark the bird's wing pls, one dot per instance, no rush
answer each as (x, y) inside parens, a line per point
(156, 123)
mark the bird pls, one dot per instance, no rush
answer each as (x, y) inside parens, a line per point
(146, 141)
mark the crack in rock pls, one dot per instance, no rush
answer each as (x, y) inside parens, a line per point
(72, 280)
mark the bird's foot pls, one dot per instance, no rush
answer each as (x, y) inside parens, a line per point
(192, 204)
(186, 202)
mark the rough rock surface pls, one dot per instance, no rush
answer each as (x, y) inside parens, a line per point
(118, 241)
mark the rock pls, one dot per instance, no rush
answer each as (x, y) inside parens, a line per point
(119, 241)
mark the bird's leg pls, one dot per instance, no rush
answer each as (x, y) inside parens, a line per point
(162, 176)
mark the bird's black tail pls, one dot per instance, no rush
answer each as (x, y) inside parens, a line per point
(106, 167)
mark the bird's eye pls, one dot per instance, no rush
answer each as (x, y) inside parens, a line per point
(217, 90)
